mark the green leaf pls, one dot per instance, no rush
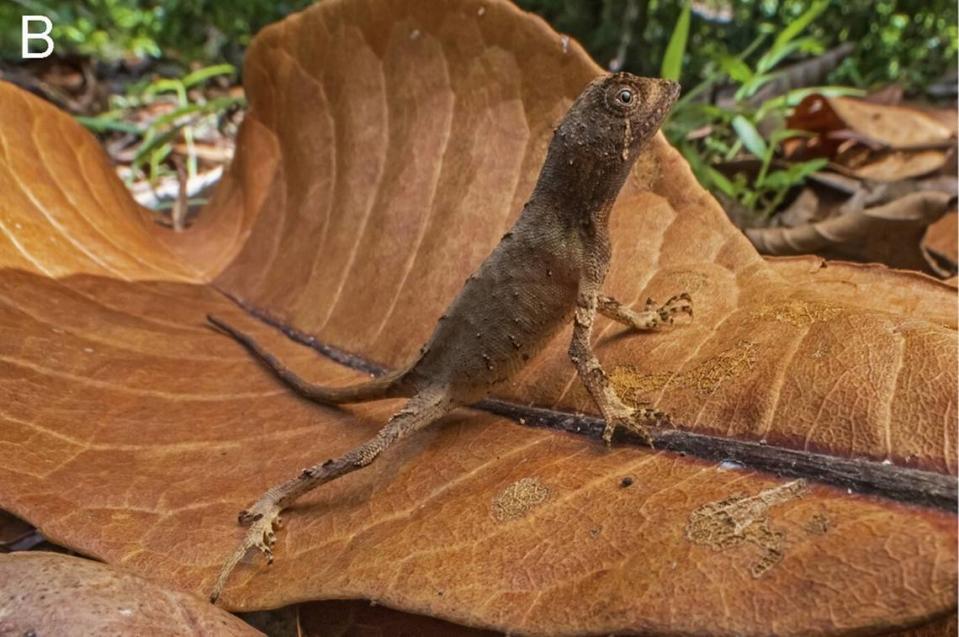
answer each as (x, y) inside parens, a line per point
(103, 124)
(736, 69)
(150, 147)
(750, 137)
(772, 57)
(799, 24)
(721, 182)
(213, 106)
(163, 86)
(794, 175)
(202, 75)
(676, 49)
(798, 172)
(753, 85)
(706, 174)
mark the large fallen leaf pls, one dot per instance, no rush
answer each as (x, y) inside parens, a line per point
(891, 233)
(53, 594)
(387, 148)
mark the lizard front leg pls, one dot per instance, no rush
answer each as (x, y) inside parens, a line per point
(651, 317)
(591, 373)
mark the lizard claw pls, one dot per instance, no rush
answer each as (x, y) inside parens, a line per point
(655, 315)
(639, 422)
(679, 303)
(263, 518)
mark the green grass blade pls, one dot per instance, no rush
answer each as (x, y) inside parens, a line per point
(673, 59)
(202, 75)
(799, 24)
(750, 137)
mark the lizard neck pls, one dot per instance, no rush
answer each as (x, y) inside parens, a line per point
(582, 176)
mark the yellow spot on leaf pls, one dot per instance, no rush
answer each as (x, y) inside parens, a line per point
(518, 499)
(798, 313)
(705, 377)
(743, 519)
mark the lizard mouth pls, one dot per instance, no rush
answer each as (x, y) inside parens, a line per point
(672, 90)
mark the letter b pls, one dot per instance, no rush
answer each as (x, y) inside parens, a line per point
(27, 36)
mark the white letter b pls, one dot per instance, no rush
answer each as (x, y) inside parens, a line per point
(27, 36)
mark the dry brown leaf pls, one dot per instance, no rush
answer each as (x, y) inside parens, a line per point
(353, 618)
(889, 234)
(53, 594)
(896, 127)
(942, 237)
(872, 141)
(386, 150)
(891, 166)
(944, 627)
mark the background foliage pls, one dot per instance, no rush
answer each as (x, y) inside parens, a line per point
(907, 41)
(727, 53)
(912, 42)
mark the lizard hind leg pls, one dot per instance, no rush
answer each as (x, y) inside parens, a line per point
(386, 386)
(263, 517)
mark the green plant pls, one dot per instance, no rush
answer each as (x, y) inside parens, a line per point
(710, 136)
(181, 30)
(186, 110)
(910, 42)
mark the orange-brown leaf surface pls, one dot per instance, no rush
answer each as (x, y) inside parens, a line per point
(942, 237)
(52, 594)
(387, 147)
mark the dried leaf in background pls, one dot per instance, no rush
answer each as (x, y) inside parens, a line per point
(872, 141)
(891, 233)
(939, 244)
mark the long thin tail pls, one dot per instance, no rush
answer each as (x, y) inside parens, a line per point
(385, 386)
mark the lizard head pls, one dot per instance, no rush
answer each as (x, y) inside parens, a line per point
(600, 137)
(625, 110)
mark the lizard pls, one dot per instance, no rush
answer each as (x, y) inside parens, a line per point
(547, 269)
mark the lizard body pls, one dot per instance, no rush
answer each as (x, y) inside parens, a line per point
(547, 270)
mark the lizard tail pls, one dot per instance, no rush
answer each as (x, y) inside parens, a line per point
(386, 386)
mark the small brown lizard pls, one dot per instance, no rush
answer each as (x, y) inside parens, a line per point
(547, 269)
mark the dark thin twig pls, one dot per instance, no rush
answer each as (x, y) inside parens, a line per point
(926, 488)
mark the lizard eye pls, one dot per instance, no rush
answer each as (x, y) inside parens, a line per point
(625, 97)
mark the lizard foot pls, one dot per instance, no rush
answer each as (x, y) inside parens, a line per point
(263, 518)
(638, 422)
(658, 314)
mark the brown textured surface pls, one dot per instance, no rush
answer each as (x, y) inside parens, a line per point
(387, 148)
(357, 618)
(52, 594)
(942, 627)
(890, 233)
(942, 237)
